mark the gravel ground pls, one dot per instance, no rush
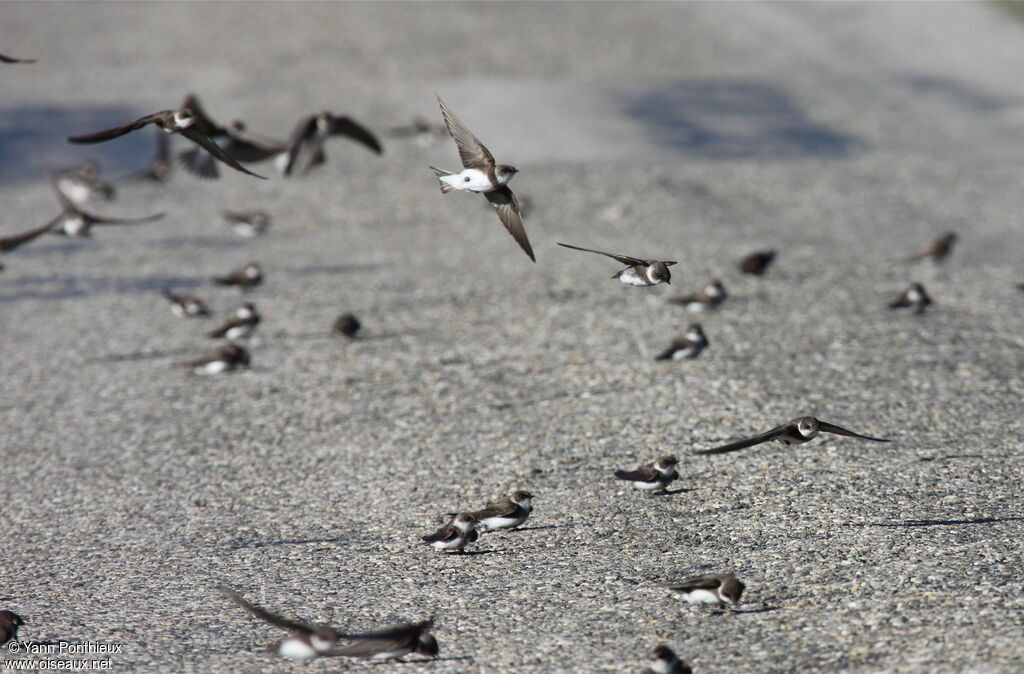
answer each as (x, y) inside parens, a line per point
(845, 135)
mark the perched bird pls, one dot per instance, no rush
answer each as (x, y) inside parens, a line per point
(718, 589)
(794, 432)
(74, 222)
(171, 121)
(347, 325)
(392, 643)
(506, 513)
(9, 59)
(83, 184)
(455, 535)
(481, 174)
(708, 297)
(688, 346)
(937, 250)
(304, 641)
(186, 306)
(421, 130)
(915, 296)
(9, 624)
(160, 166)
(757, 263)
(9, 243)
(241, 325)
(226, 358)
(306, 147)
(654, 476)
(665, 661)
(249, 276)
(639, 273)
(248, 223)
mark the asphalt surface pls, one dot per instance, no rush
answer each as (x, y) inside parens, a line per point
(845, 135)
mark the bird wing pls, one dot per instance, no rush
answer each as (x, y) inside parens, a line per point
(9, 59)
(199, 163)
(346, 126)
(624, 259)
(502, 508)
(471, 150)
(203, 122)
(446, 533)
(839, 430)
(117, 131)
(251, 150)
(97, 220)
(747, 442)
(11, 242)
(697, 583)
(207, 144)
(677, 345)
(263, 614)
(300, 155)
(642, 474)
(223, 330)
(504, 202)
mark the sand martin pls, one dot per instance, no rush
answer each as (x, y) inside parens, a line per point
(937, 250)
(306, 147)
(481, 174)
(665, 661)
(639, 273)
(757, 263)
(688, 346)
(708, 297)
(249, 276)
(654, 476)
(506, 513)
(231, 139)
(391, 643)
(346, 325)
(10, 59)
(304, 641)
(794, 432)
(915, 296)
(455, 535)
(421, 130)
(226, 358)
(243, 323)
(186, 306)
(171, 121)
(74, 222)
(9, 624)
(83, 184)
(160, 166)
(718, 589)
(248, 223)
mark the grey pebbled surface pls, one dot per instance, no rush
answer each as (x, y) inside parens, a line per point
(845, 135)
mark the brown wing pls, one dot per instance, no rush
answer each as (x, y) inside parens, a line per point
(8, 243)
(246, 149)
(117, 131)
(502, 508)
(9, 59)
(504, 202)
(214, 149)
(644, 474)
(300, 155)
(446, 533)
(471, 150)
(262, 614)
(199, 163)
(624, 259)
(838, 430)
(698, 583)
(223, 330)
(203, 122)
(345, 126)
(748, 442)
(372, 645)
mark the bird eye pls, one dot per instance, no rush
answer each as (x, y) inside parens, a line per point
(467, 179)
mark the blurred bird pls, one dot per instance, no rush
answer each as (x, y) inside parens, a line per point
(248, 223)
(757, 263)
(665, 661)
(422, 131)
(226, 358)
(9, 624)
(718, 589)
(304, 640)
(639, 273)
(305, 148)
(181, 121)
(160, 166)
(937, 250)
(915, 296)
(454, 536)
(481, 174)
(654, 476)
(9, 243)
(347, 325)
(83, 184)
(76, 223)
(688, 346)
(186, 306)
(245, 278)
(794, 432)
(708, 297)
(505, 513)
(391, 643)
(9, 59)
(243, 324)
(231, 139)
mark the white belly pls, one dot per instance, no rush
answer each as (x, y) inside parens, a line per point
(688, 352)
(178, 310)
(74, 226)
(501, 522)
(239, 332)
(649, 486)
(449, 545)
(216, 367)
(391, 655)
(696, 307)
(631, 278)
(296, 649)
(75, 191)
(703, 597)
(473, 180)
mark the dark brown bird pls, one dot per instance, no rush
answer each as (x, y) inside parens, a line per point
(75, 222)
(226, 358)
(794, 432)
(639, 273)
(938, 250)
(915, 296)
(248, 223)
(10, 59)
(181, 121)
(654, 476)
(186, 306)
(305, 640)
(689, 345)
(665, 661)
(718, 589)
(247, 277)
(9, 624)
(347, 325)
(392, 643)
(305, 149)
(708, 297)
(757, 263)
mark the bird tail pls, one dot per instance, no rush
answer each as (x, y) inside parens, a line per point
(441, 173)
